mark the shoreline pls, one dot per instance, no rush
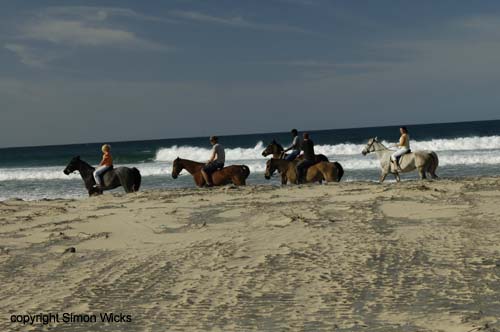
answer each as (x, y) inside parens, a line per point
(418, 255)
(118, 192)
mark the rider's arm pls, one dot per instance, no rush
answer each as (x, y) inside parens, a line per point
(102, 160)
(212, 158)
(293, 145)
(400, 143)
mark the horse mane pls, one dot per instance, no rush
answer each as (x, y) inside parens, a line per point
(191, 161)
(85, 164)
(380, 143)
(277, 144)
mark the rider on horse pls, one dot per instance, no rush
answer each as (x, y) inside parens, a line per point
(105, 164)
(294, 147)
(216, 161)
(403, 147)
(307, 146)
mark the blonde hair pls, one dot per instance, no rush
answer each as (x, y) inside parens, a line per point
(106, 147)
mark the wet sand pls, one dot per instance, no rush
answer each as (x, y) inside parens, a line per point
(414, 256)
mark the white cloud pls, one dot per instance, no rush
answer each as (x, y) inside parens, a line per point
(78, 33)
(47, 36)
(93, 13)
(236, 21)
(27, 55)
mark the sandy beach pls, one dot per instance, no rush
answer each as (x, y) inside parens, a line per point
(359, 256)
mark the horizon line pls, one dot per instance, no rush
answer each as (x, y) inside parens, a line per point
(245, 134)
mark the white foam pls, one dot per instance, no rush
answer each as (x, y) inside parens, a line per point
(455, 144)
(202, 154)
(457, 151)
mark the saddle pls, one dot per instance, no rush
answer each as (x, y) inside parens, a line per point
(106, 171)
(399, 157)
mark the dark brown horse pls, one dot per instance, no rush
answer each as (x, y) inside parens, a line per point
(128, 178)
(275, 149)
(236, 174)
(319, 172)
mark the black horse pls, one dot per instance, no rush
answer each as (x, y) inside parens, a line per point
(128, 178)
(277, 151)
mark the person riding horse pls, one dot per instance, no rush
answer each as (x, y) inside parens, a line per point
(105, 165)
(216, 161)
(403, 147)
(294, 147)
(307, 146)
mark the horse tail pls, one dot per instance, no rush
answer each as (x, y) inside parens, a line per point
(340, 171)
(136, 179)
(246, 170)
(435, 164)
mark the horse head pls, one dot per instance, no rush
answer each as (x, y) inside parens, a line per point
(73, 165)
(273, 148)
(369, 146)
(270, 169)
(177, 167)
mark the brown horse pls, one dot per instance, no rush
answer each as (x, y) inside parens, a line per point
(236, 174)
(277, 151)
(329, 172)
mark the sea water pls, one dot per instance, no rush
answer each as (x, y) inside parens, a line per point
(464, 149)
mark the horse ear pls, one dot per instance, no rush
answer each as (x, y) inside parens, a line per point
(78, 157)
(375, 139)
(274, 140)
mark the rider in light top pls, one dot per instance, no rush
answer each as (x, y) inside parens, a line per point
(403, 147)
(216, 161)
(295, 146)
(105, 164)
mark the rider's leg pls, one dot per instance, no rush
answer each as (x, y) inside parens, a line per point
(98, 174)
(395, 155)
(294, 154)
(206, 177)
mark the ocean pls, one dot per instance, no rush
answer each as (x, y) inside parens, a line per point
(31, 173)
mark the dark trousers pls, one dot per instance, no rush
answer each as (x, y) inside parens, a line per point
(302, 167)
(212, 167)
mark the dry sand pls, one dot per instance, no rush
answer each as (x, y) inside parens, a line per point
(414, 256)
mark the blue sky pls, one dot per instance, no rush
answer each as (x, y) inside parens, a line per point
(95, 71)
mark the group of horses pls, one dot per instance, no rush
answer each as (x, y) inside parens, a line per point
(425, 162)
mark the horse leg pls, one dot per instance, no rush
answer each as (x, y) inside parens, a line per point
(283, 178)
(432, 172)
(421, 172)
(238, 181)
(396, 175)
(383, 176)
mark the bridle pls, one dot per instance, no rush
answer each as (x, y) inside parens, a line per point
(374, 150)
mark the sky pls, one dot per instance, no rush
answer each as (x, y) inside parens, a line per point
(98, 71)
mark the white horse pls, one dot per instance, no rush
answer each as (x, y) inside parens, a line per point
(423, 161)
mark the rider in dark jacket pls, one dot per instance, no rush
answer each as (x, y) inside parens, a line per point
(307, 146)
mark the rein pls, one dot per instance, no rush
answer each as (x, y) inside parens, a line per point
(376, 150)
